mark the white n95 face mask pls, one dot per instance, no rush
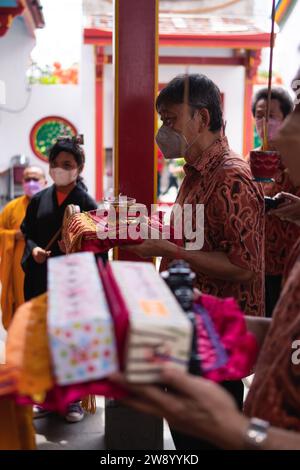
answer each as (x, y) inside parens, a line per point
(63, 177)
(171, 143)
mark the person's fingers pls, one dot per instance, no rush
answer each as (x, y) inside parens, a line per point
(197, 293)
(286, 211)
(278, 212)
(289, 196)
(186, 384)
(152, 395)
(118, 378)
(174, 379)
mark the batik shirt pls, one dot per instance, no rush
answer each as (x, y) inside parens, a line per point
(280, 235)
(233, 221)
(275, 392)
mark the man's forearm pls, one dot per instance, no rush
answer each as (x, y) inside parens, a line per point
(280, 439)
(214, 264)
(233, 436)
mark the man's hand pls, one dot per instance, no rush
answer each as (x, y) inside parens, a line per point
(192, 405)
(39, 255)
(62, 246)
(289, 210)
(19, 235)
(153, 244)
(150, 248)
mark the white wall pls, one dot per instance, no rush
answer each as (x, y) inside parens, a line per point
(15, 48)
(230, 80)
(77, 102)
(73, 102)
(45, 100)
(287, 49)
(108, 135)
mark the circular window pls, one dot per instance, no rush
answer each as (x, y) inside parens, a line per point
(45, 132)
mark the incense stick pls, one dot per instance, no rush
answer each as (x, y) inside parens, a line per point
(265, 127)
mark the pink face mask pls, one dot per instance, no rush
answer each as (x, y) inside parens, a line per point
(273, 128)
(31, 187)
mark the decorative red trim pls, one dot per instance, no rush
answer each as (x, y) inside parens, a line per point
(99, 150)
(36, 11)
(190, 60)
(97, 36)
(7, 14)
(36, 127)
(248, 123)
(253, 59)
(234, 41)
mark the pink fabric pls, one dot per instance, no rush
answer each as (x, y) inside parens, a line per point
(58, 398)
(239, 344)
(118, 310)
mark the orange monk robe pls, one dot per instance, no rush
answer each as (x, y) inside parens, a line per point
(11, 252)
(16, 427)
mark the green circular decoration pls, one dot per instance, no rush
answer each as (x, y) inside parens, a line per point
(45, 133)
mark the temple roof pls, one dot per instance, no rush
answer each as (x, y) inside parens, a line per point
(189, 24)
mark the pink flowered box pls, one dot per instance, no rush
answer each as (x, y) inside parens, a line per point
(80, 328)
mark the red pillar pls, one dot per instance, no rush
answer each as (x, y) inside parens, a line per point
(135, 68)
(135, 79)
(99, 150)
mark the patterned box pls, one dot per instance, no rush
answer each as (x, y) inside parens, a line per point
(80, 328)
(158, 330)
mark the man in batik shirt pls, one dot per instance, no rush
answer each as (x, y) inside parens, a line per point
(231, 261)
(203, 408)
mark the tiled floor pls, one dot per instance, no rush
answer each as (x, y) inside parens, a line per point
(54, 433)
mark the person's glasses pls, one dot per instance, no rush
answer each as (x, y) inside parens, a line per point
(27, 180)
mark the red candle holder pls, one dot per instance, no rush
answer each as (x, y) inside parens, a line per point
(264, 165)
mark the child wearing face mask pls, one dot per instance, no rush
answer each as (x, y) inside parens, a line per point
(45, 212)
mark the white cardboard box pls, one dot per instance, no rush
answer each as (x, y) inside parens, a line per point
(159, 330)
(80, 327)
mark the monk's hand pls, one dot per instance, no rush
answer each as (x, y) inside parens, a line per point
(192, 405)
(39, 255)
(62, 246)
(289, 209)
(19, 235)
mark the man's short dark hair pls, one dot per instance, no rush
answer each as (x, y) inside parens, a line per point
(277, 93)
(199, 92)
